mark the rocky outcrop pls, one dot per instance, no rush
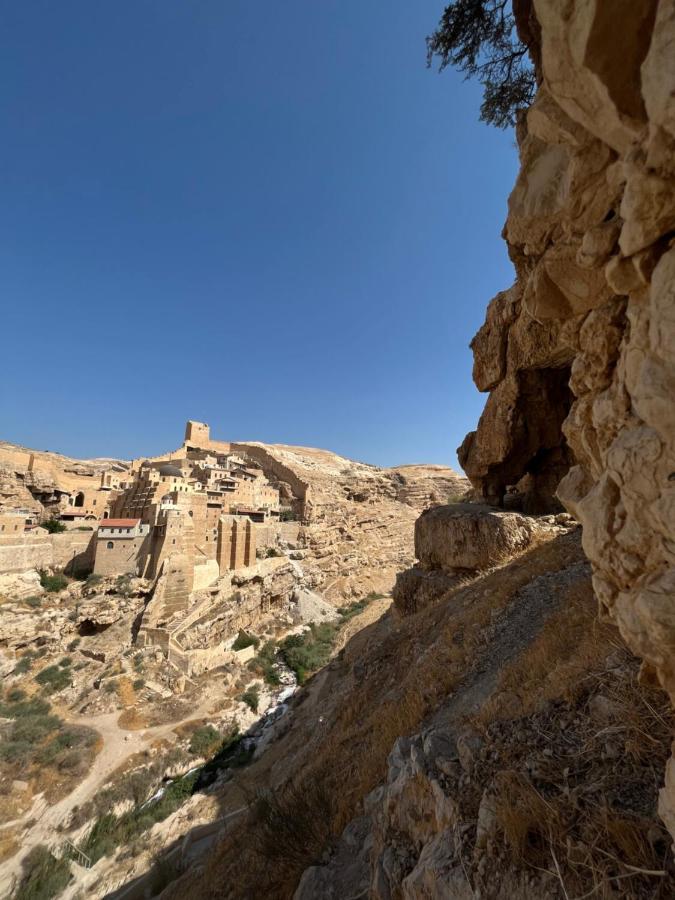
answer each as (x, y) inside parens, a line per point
(358, 520)
(579, 356)
(457, 541)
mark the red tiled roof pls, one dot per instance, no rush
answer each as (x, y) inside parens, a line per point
(118, 523)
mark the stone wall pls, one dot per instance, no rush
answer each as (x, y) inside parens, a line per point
(69, 551)
(579, 356)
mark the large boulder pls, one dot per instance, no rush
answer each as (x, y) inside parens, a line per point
(469, 536)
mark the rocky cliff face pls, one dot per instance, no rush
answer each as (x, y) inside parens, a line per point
(579, 355)
(359, 531)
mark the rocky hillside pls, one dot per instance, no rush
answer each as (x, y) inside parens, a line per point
(359, 519)
(579, 355)
(33, 479)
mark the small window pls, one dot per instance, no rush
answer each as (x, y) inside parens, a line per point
(110, 545)
(173, 541)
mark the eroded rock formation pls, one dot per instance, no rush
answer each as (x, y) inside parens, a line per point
(590, 231)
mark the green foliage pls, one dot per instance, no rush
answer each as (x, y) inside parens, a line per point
(479, 38)
(34, 729)
(138, 684)
(92, 579)
(251, 698)
(65, 662)
(138, 662)
(53, 583)
(205, 741)
(54, 526)
(110, 686)
(33, 602)
(73, 645)
(44, 877)
(110, 831)
(287, 515)
(231, 754)
(305, 653)
(271, 552)
(244, 639)
(24, 664)
(54, 678)
(16, 706)
(264, 664)
(61, 749)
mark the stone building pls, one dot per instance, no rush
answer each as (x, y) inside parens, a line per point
(202, 503)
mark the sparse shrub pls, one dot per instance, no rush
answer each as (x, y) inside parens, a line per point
(14, 695)
(53, 583)
(244, 639)
(34, 728)
(54, 678)
(251, 698)
(33, 601)
(271, 552)
(204, 741)
(308, 652)
(73, 645)
(65, 662)
(138, 684)
(18, 709)
(109, 831)
(54, 526)
(264, 664)
(44, 877)
(287, 515)
(15, 751)
(110, 686)
(24, 664)
(92, 579)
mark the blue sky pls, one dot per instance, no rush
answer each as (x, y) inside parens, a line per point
(268, 216)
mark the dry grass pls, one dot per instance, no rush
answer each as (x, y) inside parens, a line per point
(10, 841)
(390, 678)
(131, 719)
(566, 649)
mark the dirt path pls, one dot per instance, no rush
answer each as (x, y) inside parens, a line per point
(118, 745)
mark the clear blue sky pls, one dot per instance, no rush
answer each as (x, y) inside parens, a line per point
(267, 216)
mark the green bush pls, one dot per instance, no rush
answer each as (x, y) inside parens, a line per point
(287, 515)
(54, 678)
(44, 877)
(20, 707)
(251, 698)
(73, 645)
(244, 639)
(110, 686)
(93, 578)
(109, 831)
(53, 583)
(16, 751)
(54, 526)
(33, 601)
(138, 684)
(24, 664)
(264, 664)
(34, 728)
(205, 741)
(65, 662)
(308, 652)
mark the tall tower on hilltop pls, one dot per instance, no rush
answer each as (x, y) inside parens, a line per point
(198, 434)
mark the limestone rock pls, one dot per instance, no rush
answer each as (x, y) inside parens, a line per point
(468, 536)
(580, 361)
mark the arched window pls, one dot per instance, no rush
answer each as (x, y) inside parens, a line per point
(79, 499)
(110, 545)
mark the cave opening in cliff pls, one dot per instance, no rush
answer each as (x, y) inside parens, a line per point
(543, 456)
